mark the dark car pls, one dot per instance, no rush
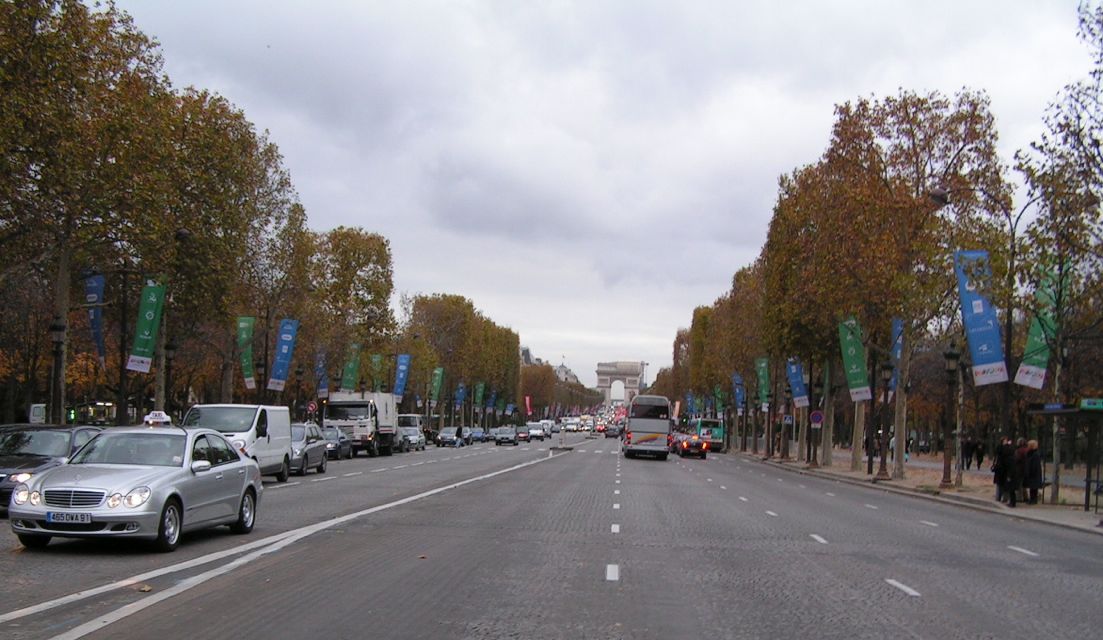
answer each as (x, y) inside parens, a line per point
(691, 445)
(448, 438)
(26, 450)
(612, 431)
(338, 444)
(478, 435)
(308, 448)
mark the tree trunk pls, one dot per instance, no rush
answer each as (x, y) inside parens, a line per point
(857, 437)
(61, 314)
(227, 394)
(827, 435)
(900, 416)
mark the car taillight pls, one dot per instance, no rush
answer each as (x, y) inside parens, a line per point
(669, 439)
(705, 446)
(627, 437)
(685, 445)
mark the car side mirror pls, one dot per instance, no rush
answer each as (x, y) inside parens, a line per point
(200, 466)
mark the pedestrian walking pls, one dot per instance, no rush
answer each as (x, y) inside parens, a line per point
(1033, 471)
(1020, 469)
(968, 447)
(1002, 462)
(979, 450)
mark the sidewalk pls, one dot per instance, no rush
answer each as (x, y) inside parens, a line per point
(923, 475)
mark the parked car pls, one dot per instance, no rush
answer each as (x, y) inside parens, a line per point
(338, 444)
(152, 483)
(478, 435)
(262, 432)
(27, 450)
(505, 435)
(308, 448)
(412, 438)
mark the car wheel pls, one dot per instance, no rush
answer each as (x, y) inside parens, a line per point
(703, 456)
(285, 471)
(302, 468)
(322, 465)
(349, 456)
(246, 513)
(168, 532)
(33, 542)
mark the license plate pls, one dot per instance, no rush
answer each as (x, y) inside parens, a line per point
(77, 518)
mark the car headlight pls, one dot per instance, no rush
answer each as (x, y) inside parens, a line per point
(20, 477)
(330, 445)
(21, 495)
(238, 444)
(296, 452)
(137, 497)
(114, 500)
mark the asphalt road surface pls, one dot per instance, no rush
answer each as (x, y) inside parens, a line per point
(523, 542)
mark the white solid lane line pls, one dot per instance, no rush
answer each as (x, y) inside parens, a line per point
(612, 572)
(903, 587)
(615, 528)
(818, 539)
(771, 514)
(1025, 552)
(929, 523)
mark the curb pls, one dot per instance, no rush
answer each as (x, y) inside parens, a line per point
(960, 501)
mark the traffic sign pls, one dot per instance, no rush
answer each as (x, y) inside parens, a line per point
(788, 419)
(816, 417)
(312, 406)
(1091, 404)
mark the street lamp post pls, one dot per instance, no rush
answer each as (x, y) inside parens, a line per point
(768, 427)
(298, 389)
(886, 376)
(953, 357)
(814, 435)
(785, 424)
(57, 394)
(170, 356)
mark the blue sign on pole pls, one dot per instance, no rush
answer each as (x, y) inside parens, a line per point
(320, 374)
(738, 391)
(401, 373)
(982, 329)
(461, 393)
(285, 348)
(897, 350)
(796, 382)
(491, 399)
(93, 295)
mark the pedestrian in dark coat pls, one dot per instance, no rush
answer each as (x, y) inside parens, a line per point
(1034, 478)
(1002, 462)
(980, 453)
(968, 446)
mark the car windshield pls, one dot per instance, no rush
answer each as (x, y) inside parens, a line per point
(407, 421)
(348, 412)
(224, 419)
(653, 411)
(298, 432)
(155, 449)
(331, 434)
(409, 431)
(34, 442)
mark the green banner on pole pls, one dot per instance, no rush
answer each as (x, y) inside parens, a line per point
(351, 374)
(854, 359)
(376, 372)
(245, 326)
(145, 334)
(762, 368)
(1032, 370)
(480, 387)
(438, 381)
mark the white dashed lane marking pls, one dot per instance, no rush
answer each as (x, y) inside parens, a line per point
(614, 528)
(612, 572)
(870, 506)
(354, 473)
(1025, 552)
(616, 492)
(771, 514)
(378, 470)
(818, 539)
(929, 523)
(616, 505)
(281, 486)
(742, 499)
(830, 494)
(324, 479)
(903, 587)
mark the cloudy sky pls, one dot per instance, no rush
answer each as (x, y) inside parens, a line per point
(587, 172)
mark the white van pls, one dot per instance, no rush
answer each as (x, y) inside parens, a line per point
(649, 429)
(263, 432)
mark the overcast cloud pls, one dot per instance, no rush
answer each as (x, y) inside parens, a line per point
(587, 172)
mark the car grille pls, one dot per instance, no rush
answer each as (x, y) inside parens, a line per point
(71, 527)
(73, 498)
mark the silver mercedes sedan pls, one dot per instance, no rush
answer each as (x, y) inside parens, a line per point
(150, 483)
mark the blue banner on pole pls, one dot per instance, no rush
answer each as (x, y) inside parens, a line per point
(320, 374)
(461, 394)
(795, 372)
(982, 329)
(93, 296)
(285, 349)
(739, 392)
(401, 374)
(492, 399)
(509, 409)
(897, 350)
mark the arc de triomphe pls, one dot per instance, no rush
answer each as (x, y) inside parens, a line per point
(627, 372)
